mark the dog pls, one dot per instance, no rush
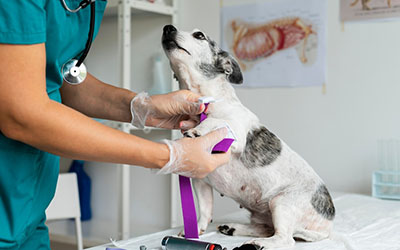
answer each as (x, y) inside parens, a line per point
(285, 197)
(365, 4)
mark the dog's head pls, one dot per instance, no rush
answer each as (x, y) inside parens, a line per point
(195, 55)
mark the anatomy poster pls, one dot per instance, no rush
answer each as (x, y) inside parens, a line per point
(278, 43)
(358, 10)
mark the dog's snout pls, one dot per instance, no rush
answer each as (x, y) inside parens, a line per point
(168, 37)
(169, 29)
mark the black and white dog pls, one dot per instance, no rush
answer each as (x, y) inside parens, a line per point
(284, 195)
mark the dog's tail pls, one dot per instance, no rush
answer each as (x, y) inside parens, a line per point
(339, 237)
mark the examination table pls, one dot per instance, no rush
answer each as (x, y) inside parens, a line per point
(368, 223)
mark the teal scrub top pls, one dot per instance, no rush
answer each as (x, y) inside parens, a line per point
(28, 176)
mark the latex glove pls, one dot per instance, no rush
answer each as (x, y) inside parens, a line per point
(192, 157)
(179, 109)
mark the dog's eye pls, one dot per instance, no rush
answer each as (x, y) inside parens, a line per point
(199, 35)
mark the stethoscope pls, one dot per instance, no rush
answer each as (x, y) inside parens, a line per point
(74, 71)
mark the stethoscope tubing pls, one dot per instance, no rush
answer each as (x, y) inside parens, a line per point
(90, 35)
(82, 5)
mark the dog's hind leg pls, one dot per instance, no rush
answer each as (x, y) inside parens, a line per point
(204, 193)
(284, 217)
(309, 235)
(254, 230)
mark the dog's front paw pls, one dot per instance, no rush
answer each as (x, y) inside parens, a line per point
(226, 229)
(203, 224)
(248, 247)
(192, 133)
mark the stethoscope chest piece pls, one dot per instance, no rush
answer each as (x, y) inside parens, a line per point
(74, 71)
(73, 74)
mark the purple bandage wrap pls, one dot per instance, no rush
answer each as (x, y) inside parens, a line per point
(187, 201)
(188, 208)
(222, 146)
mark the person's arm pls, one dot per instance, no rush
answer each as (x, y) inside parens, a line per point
(97, 99)
(28, 115)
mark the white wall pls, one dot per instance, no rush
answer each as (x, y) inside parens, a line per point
(336, 132)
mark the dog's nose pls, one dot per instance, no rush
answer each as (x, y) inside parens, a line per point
(169, 29)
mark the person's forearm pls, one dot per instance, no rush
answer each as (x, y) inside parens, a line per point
(57, 129)
(99, 100)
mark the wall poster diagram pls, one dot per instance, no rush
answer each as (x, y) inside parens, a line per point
(278, 43)
(359, 10)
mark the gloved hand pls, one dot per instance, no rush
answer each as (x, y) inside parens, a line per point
(179, 109)
(192, 157)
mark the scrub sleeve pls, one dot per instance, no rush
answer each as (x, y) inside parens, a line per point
(28, 176)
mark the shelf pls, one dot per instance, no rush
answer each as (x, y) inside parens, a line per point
(139, 7)
(131, 34)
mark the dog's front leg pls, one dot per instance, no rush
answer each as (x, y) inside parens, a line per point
(204, 193)
(205, 127)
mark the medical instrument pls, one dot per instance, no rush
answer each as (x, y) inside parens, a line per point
(187, 201)
(386, 180)
(74, 71)
(174, 243)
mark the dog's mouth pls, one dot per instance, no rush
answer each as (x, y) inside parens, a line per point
(170, 44)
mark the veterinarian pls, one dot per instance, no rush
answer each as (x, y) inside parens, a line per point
(42, 117)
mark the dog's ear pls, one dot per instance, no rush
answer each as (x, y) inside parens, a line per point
(230, 67)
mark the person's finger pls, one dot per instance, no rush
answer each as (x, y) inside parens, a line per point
(192, 108)
(188, 124)
(190, 96)
(205, 109)
(214, 137)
